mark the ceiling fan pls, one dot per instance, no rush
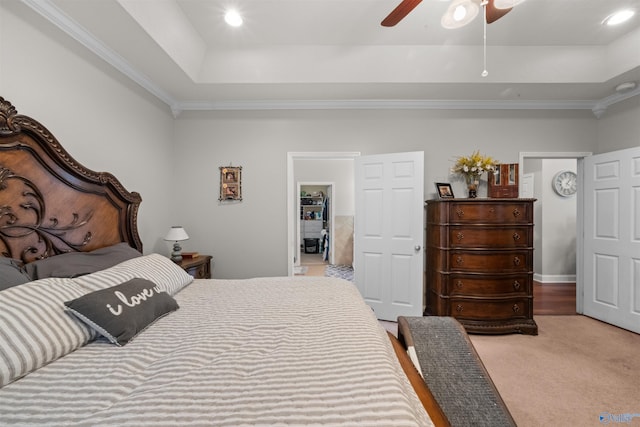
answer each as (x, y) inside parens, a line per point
(495, 9)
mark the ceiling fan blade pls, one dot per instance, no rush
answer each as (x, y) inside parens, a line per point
(399, 12)
(493, 13)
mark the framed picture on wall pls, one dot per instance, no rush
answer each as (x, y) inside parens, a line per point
(230, 183)
(444, 190)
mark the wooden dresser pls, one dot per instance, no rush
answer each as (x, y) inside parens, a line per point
(479, 263)
(199, 267)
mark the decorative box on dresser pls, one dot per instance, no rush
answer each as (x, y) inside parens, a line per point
(479, 263)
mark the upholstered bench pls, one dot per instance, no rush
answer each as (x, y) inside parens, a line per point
(453, 372)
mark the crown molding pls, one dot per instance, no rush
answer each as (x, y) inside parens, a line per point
(381, 104)
(57, 17)
(52, 13)
(600, 107)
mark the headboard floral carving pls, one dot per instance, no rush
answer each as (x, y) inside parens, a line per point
(49, 203)
(29, 200)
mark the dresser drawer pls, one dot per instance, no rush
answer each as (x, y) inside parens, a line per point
(491, 261)
(490, 237)
(200, 272)
(199, 267)
(488, 309)
(491, 213)
(481, 285)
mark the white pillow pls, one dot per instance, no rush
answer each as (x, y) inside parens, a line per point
(35, 328)
(166, 274)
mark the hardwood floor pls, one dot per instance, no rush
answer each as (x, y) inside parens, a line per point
(554, 298)
(313, 264)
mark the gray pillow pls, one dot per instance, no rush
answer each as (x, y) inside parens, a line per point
(74, 264)
(121, 312)
(12, 273)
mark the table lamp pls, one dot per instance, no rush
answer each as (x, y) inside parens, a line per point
(176, 234)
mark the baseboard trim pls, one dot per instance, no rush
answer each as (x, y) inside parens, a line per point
(554, 278)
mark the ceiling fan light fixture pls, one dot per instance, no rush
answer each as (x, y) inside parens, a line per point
(506, 4)
(233, 18)
(459, 14)
(619, 17)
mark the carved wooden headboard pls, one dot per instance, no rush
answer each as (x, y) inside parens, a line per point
(49, 203)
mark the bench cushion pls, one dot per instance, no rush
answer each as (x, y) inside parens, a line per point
(453, 371)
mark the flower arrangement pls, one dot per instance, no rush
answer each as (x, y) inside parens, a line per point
(471, 167)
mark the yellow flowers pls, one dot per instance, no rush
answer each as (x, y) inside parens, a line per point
(474, 165)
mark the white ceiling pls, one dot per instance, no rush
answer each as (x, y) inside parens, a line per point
(335, 53)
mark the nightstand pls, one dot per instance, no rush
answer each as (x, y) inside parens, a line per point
(199, 267)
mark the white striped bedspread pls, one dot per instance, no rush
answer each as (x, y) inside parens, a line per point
(268, 351)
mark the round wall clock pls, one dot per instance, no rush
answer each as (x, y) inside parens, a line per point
(564, 183)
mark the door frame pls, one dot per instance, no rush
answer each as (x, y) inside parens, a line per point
(292, 195)
(579, 156)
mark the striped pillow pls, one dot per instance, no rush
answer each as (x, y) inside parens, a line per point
(35, 328)
(166, 274)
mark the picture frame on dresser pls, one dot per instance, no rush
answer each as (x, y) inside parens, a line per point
(444, 190)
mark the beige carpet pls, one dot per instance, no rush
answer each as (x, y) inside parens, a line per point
(574, 371)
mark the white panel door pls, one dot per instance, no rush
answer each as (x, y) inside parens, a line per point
(612, 238)
(389, 233)
(527, 189)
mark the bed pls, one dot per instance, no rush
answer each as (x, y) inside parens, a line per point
(95, 332)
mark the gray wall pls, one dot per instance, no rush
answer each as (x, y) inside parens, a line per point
(620, 127)
(106, 122)
(259, 141)
(557, 221)
(109, 123)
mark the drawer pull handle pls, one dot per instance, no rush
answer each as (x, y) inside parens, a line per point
(516, 308)
(492, 210)
(516, 212)
(459, 260)
(459, 308)
(516, 236)
(459, 284)
(516, 260)
(459, 212)
(516, 285)
(460, 236)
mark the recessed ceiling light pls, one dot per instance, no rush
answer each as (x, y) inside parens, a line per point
(233, 18)
(619, 17)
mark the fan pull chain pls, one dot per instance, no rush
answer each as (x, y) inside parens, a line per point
(485, 73)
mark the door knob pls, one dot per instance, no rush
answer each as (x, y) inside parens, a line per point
(417, 248)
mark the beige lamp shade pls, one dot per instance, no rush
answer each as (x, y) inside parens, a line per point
(176, 234)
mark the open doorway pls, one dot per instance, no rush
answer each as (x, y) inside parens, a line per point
(314, 227)
(557, 217)
(336, 168)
